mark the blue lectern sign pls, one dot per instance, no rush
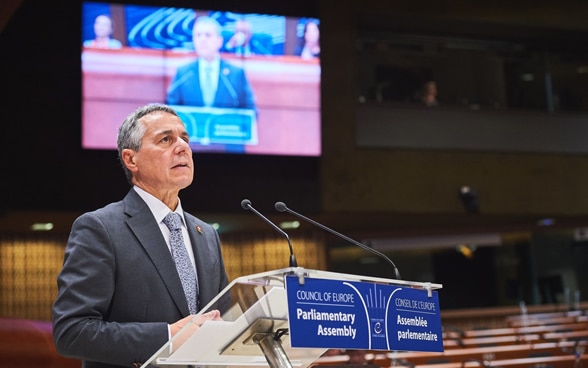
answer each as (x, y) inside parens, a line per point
(326, 313)
(210, 125)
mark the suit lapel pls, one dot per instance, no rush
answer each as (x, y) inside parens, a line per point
(224, 77)
(203, 257)
(143, 225)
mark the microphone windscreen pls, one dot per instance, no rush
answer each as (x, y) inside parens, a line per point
(280, 206)
(245, 204)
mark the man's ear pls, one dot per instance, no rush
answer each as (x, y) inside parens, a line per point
(128, 158)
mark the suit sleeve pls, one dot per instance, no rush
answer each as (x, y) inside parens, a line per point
(81, 326)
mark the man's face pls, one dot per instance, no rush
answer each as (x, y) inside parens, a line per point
(312, 33)
(164, 162)
(244, 27)
(102, 26)
(207, 41)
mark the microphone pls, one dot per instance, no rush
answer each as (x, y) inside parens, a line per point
(171, 90)
(229, 86)
(281, 207)
(246, 204)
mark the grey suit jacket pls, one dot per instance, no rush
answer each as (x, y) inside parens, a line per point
(119, 288)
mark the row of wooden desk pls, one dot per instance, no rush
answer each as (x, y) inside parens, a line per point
(536, 329)
(564, 354)
(549, 340)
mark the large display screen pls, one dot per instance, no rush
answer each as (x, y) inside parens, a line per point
(242, 83)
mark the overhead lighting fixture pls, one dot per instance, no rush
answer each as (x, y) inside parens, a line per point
(469, 199)
(467, 250)
(289, 225)
(42, 226)
(546, 222)
(527, 77)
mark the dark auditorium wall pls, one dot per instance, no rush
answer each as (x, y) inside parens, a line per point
(393, 184)
(425, 181)
(47, 169)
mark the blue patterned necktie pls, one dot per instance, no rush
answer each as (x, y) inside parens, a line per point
(184, 266)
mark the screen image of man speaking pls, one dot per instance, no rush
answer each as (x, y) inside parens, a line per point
(210, 80)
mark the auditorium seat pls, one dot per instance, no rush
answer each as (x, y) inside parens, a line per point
(28, 343)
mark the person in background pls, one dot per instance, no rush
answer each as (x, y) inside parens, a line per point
(240, 42)
(428, 94)
(244, 42)
(103, 29)
(120, 296)
(210, 81)
(309, 44)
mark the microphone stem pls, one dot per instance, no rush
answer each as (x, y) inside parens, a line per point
(396, 272)
(293, 262)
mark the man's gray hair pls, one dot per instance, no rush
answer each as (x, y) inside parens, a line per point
(131, 131)
(205, 19)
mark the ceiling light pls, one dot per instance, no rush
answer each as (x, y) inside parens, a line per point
(466, 250)
(546, 222)
(290, 225)
(42, 226)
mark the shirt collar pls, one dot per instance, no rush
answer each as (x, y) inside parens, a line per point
(157, 207)
(214, 65)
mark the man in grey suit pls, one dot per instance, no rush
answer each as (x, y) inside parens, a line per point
(120, 296)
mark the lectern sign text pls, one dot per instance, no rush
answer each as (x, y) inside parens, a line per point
(327, 313)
